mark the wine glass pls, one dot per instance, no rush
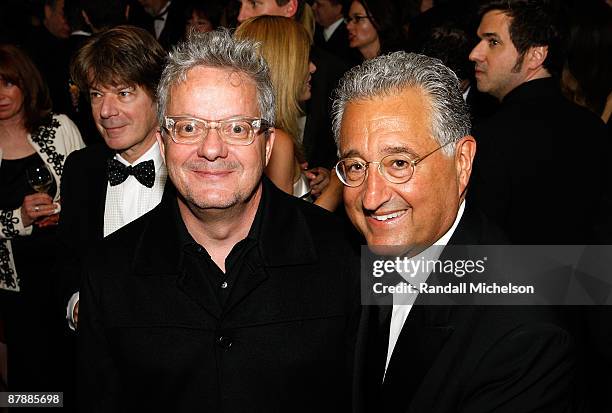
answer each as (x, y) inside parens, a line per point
(39, 178)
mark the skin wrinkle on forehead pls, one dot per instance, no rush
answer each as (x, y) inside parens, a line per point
(235, 78)
(400, 125)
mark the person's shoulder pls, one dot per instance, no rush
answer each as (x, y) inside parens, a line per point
(517, 326)
(119, 247)
(325, 226)
(92, 153)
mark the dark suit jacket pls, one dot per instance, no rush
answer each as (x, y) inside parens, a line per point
(464, 358)
(338, 44)
(541, 168)
(83, 190)
(319, 145)
(151, 337)
(174, 28)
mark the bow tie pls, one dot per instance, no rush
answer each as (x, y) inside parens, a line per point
(117, 172)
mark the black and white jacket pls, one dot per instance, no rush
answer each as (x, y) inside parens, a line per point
(53, 141)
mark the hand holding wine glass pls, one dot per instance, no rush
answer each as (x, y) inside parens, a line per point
(39, 178)
(40, 205)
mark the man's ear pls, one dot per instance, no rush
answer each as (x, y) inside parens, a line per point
(291, 8)
(465, 150)
(269, 145)
(536, 56)
(162, 144)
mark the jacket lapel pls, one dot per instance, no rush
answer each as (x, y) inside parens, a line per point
(423, 336)
(159, 252)
(98, 197)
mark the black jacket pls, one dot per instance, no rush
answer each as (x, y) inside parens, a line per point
(541, 170)
(465, 358)
(152, 338)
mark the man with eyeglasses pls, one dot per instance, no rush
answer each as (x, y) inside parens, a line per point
(231, 295)
(402, 129)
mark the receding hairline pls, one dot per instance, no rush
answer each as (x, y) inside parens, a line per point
(242, 79)
(397, 92)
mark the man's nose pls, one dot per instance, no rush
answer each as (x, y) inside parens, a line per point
(244, 14)
(108, 107)
(376, 191)
(212, 146)
(476, 53)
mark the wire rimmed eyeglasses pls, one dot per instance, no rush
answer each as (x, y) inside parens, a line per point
(356, 18)
(397, 168)
(234, 131)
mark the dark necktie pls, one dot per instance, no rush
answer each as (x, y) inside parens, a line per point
(117, 172)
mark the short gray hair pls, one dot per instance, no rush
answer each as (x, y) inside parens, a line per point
(217, 49)
(394, 72)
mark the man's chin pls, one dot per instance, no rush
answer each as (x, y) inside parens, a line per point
(387, 248)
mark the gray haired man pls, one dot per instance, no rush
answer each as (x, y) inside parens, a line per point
(230, 295)
(402, 130)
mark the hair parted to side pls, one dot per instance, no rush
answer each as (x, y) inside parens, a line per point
(392, 73)
(285, 45)
(18, 68)
(122, 55)
(217, 49)
(535, 23)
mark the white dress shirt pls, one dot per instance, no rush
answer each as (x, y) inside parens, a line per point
(131, 199)
(402, 303)
(329, 30)
(160, 22)
(127, 201)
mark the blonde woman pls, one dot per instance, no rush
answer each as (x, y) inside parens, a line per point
(285, 45)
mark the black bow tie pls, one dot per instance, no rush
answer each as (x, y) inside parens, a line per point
(117, 172)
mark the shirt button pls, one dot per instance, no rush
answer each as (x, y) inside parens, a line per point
(224, 342)
(224, 285)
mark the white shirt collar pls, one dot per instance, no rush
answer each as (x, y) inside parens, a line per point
(433, 252)
(329, 30)
(153, 153)
(466, 93)
(163, 10)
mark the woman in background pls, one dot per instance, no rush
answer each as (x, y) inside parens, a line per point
(373, 27)
(30, 136)
(286, 47)
(587, 75)
(202, 16)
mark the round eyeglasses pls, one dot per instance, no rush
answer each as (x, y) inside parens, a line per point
(396, 168)
(234, 131)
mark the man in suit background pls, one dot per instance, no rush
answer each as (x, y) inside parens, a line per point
(164, 19)
(330, 32)
(518, 60)
(108, 185)
(230, 295)
(402, 129)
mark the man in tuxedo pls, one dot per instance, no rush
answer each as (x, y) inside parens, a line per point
(330, 32)
(402, 129)
(165, 19)
(230, 295)
(106, 186)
